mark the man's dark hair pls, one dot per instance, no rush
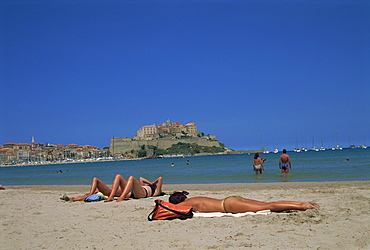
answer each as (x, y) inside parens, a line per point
(177, 198)
(284, 151)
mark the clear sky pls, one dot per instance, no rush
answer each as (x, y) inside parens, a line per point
(253, 73)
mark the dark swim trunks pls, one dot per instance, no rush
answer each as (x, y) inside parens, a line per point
(284, 166)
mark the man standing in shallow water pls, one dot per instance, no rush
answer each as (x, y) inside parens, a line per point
(284, 163)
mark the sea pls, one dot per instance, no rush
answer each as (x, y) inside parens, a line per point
(310, 166)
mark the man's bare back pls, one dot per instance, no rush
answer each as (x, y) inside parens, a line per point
(285, 158)
(204, 204)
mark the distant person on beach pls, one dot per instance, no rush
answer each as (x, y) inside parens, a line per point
(123, 189)
(237, 204)
(257, 163)
(2, 187)
(284, 163)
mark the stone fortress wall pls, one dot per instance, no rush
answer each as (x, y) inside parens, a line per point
(163, 137)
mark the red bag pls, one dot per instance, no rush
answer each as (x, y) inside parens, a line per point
(167, 211)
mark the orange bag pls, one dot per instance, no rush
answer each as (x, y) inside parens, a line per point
(167, 211)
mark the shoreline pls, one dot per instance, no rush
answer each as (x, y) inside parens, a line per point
(215, 186)
(35, 212)
(234, 152)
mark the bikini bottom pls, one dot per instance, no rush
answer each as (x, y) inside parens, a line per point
(224, 200)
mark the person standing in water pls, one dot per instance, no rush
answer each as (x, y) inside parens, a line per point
(257, 163)
(284, 163)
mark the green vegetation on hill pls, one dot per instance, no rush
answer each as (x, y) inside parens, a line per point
(180, 148)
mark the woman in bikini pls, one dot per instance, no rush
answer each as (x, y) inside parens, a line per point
(237, 204)
(123, 189)
(134, 188)
(257, 163)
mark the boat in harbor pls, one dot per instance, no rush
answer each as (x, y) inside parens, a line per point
(337, 147)
(363, 146)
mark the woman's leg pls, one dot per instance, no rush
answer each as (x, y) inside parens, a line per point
(133, 186)
(252, 201)
(96, 184)
(279, 206)
(235, 205)
(119, 183)
(100, 186)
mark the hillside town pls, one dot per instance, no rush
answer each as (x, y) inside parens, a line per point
(165, 140)
(37, 153)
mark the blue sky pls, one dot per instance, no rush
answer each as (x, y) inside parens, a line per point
(253, 73)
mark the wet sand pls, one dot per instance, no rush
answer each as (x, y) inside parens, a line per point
(33, 217)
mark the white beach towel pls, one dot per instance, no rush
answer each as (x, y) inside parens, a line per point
(265, 212)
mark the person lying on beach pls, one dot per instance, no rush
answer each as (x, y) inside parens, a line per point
(123, 189)
(237, 204)
(134, 188)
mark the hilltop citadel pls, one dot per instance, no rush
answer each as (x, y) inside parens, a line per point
(167, 138)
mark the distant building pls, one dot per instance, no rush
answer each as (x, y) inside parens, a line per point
(18, 153)
(162, 137)
(167, 130)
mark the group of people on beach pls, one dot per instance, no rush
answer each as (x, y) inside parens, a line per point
(132, 188)
(284, 163)
(142, 188)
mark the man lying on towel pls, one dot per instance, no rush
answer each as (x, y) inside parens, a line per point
(237, 204)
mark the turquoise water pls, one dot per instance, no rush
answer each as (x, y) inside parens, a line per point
(307, 166)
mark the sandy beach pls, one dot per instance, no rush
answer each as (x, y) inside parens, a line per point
(34, 217)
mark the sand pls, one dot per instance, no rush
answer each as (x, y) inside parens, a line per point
(33, 217)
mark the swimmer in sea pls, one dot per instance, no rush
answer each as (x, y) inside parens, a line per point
(284, 163)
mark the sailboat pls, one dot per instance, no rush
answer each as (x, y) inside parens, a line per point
(314, 148)
(351, 145)
(296, 149)
(322, 148)
(364, 145)
(273, 145)
(337, 147)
